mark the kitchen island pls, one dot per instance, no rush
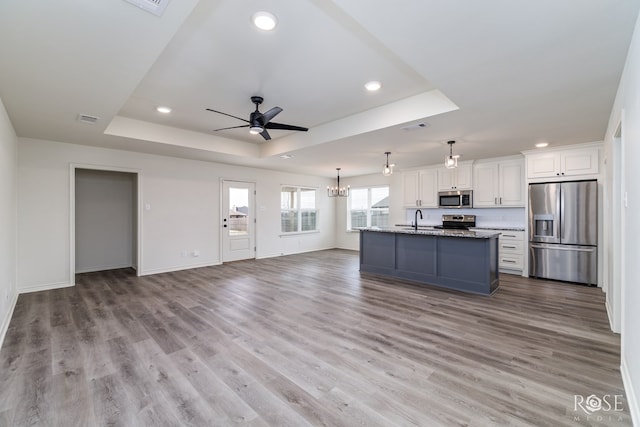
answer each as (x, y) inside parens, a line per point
(455, 259)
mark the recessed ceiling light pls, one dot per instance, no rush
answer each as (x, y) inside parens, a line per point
(373, 86)
(264, 20)
(164, 110)
(542, 144)
(286, 156)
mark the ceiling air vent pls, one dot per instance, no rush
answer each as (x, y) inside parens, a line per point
(85, 118)
(156, 7)
(416, 126)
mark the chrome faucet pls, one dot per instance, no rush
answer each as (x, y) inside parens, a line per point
(415, 225)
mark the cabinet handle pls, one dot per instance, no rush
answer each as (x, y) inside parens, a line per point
(500, 200)
(508, 235)
(508, 260)
(495, 200)
(508, 247)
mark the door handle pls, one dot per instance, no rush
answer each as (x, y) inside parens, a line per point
(563, 248)
(225, 226)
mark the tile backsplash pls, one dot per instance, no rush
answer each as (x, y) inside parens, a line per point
(485, 217)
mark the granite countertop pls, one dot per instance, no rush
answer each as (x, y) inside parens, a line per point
(434, 232)
(499, 227)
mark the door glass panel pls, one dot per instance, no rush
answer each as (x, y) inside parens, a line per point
(238, 211)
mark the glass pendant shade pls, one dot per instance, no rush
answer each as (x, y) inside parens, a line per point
(451, 161)
(387, 169)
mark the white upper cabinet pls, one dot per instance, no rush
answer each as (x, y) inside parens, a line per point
(579, 161)
(455, 179)
(419, 189)
(498, 184)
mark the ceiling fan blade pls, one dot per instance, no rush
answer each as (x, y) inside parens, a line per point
(267, 116)
(235, 117)
(265, 135)
(271, 125)
(232, 127)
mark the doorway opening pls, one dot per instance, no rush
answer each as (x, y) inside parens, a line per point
(615, 261)
(104, 220)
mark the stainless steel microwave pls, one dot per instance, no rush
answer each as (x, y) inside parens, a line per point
(455, 199)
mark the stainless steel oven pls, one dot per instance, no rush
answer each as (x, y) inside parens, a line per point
(455, 199)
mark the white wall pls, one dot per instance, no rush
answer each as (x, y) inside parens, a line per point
(8, 203)
(627, 109)
(184, 215)
(105, 218)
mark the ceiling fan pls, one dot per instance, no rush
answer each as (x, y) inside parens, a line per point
(258, 122)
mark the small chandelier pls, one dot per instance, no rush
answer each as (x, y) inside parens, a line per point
(338, 191)
(451, 161)
(387, 169)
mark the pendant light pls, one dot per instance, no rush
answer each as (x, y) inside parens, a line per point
(387, 169)
(451, 161)
(338, 191)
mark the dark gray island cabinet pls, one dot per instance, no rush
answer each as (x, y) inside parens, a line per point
(462, 260)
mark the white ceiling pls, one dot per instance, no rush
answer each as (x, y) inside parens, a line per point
(497, 76)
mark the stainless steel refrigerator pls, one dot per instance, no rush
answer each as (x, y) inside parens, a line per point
(563, 231)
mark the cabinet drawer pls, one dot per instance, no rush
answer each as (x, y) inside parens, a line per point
(512, 235)
(511, 246)
(510, 261)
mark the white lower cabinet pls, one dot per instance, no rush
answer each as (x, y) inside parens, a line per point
(510, 251)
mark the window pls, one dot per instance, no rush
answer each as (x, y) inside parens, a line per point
(298, 211)
(368, 207)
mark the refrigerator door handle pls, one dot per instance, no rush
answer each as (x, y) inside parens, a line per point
(563, 248)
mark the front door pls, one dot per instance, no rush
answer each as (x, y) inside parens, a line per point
(238, 220)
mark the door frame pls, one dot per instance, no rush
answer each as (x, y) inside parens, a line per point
(72, 213)
(222, 210)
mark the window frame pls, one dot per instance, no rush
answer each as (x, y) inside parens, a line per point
(299, 210)
(369, 209)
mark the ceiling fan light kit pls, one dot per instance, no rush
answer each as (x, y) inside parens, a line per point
(338, 191)
(258, 122)
(451, 161)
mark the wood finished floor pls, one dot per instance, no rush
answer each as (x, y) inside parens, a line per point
(304, 340)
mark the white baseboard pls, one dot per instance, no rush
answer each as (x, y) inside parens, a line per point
(45, 287)
(4, 327)
(607, 306)
(103, 268)
(632, 400)
(177, 268)
(277, 254)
